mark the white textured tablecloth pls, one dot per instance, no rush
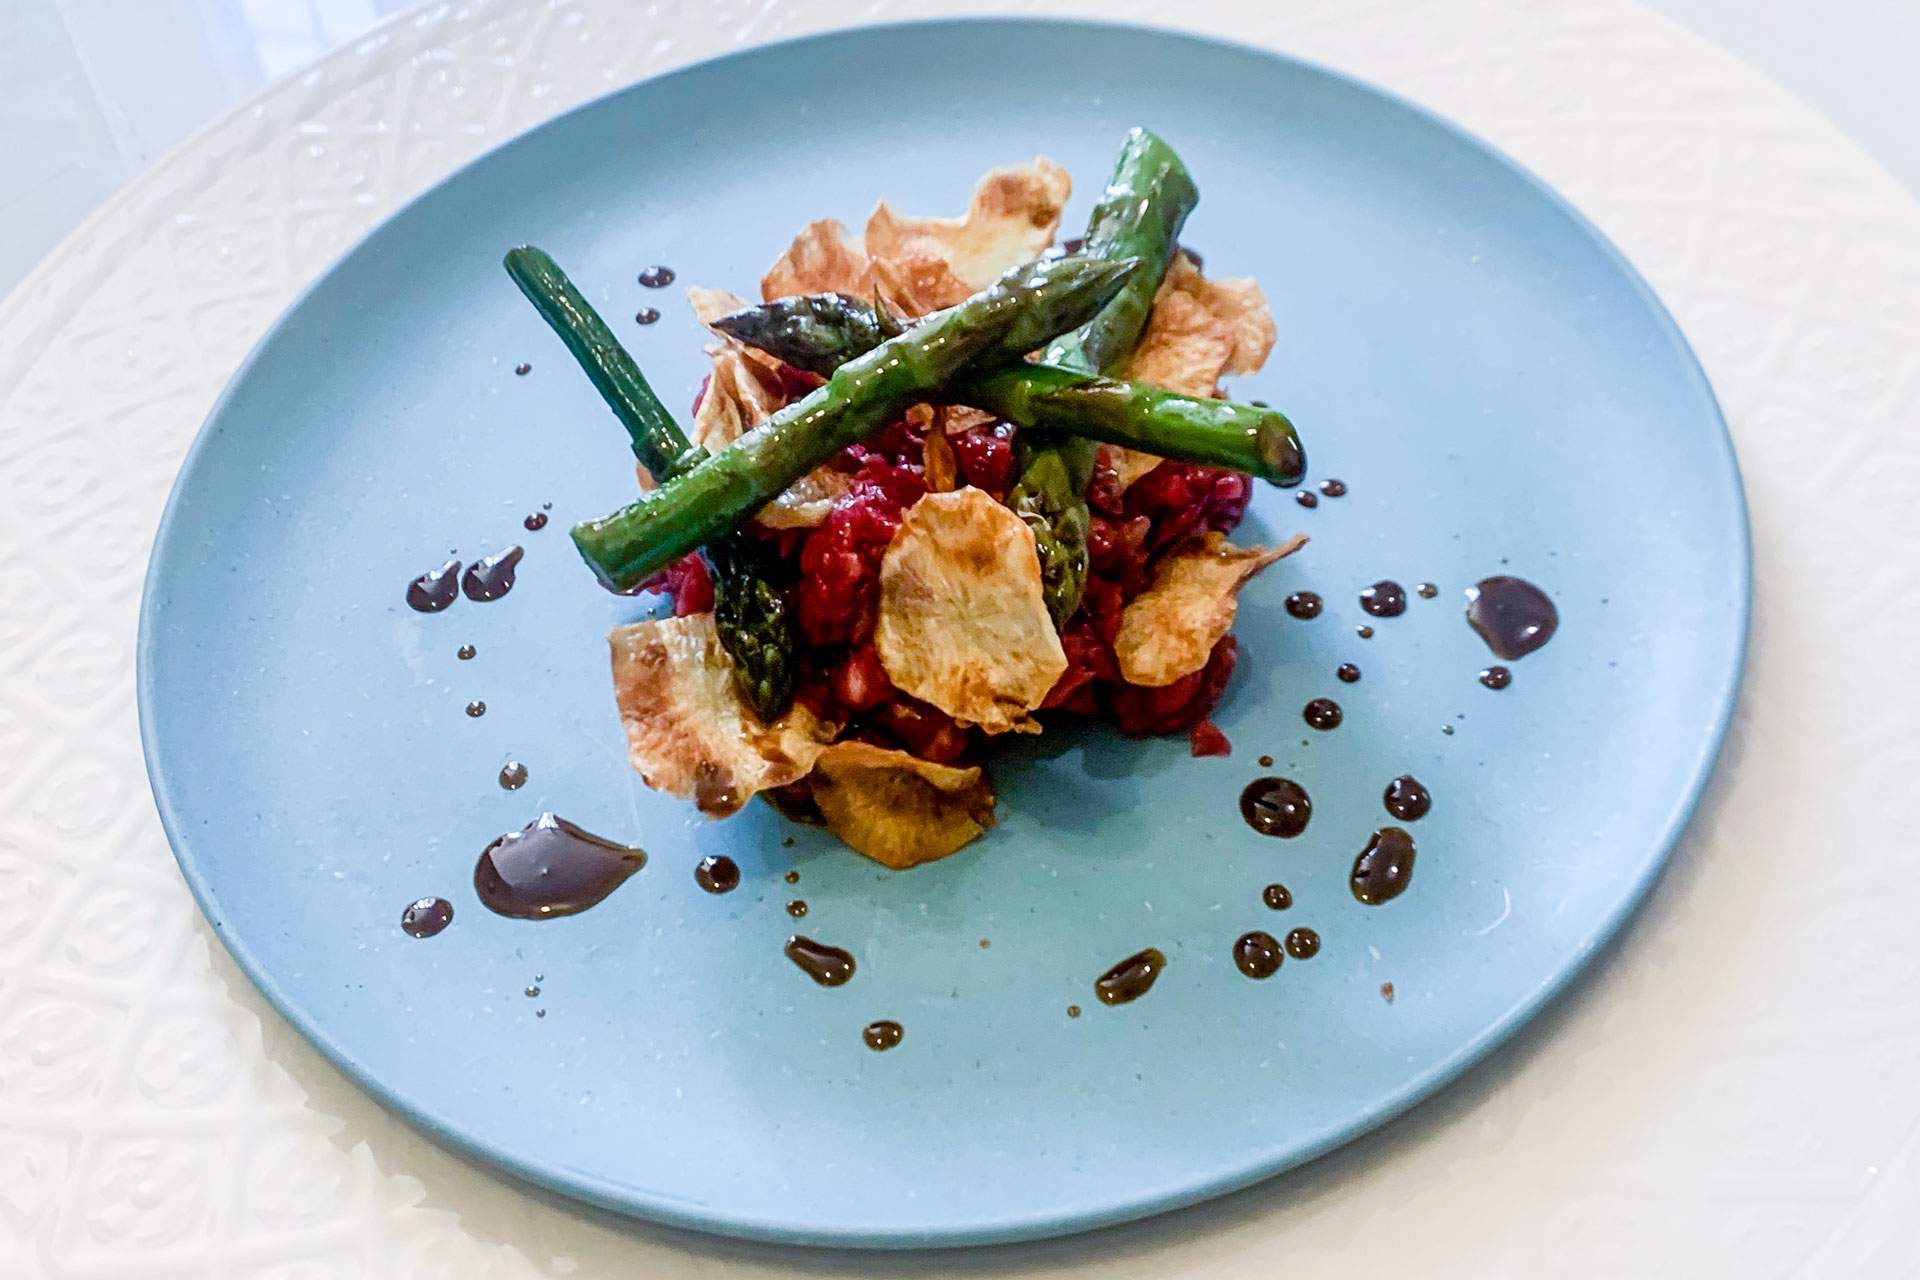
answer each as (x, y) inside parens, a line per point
(1729, 1092)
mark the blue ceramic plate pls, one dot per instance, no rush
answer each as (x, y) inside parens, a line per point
(1500, 391)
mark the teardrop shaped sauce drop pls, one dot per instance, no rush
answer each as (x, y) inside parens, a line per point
(492, 578)
(829, 966)
(551, 868)
(436, 589)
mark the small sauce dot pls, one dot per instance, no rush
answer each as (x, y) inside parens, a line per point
(1447, 729)
(796, 908)
(1334, 488)
(425, 917)
(717, 874)
(1427, 592)
(1365, 633)
(1496, 677)
(1347, 672)
(539, 1013)
(646, 315)
(1386, 992)
(1407, 798)
(1277, 897)
(467, 651)
(476, 709)
(793, 877)
(1257, 954)
(883, 1035)
(513, 776)
(1384, 599)
(1303, 605)
(1303, 944)
(1073, 1011)
(523, 369)
(1306, 499)
(532, 991)
(1276, 807)
(535, 522)
(1322, 713)
(986, 942)
(1266, 762)
(657, 277)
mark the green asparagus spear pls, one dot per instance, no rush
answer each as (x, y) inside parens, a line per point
(752, 611)
(1018, 313)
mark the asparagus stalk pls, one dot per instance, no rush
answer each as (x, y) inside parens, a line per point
(1017, 314)
(752, 610)
(820, 332)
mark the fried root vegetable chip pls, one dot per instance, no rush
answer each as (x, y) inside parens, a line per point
(1010, 220)
(896, 808)
(1168, 630)
(736, 400)
(823, 258)
(963, 623)
(688, 733)
(1200, 330)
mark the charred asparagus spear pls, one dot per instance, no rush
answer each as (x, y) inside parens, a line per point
(1019, 313)
(752, 609)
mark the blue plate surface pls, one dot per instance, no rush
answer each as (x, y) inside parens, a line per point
(1500, 391)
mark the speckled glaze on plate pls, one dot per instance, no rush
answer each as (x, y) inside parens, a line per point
(1456, 345)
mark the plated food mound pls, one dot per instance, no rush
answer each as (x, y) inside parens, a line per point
(944, 482)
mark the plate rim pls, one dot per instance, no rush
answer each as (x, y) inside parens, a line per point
(680, 1212)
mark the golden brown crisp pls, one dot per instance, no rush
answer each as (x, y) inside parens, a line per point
(822, 259)
(688, 733)
(963, 624)
(1168, 630)
(1010, 220)
(896, 808)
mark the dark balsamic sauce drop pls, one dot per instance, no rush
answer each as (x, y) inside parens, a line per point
(425, 917)
(513, 775)
(1512, 615)
(551, 868)
(1407, 798)
(1347, 672)
(1131, 978)
(1276, 807)
(1322, 713)
(1384, 599)
(1496, 677)
(1073, 1011)
(828, 966)
(466, 651)
(792, 877)
(657, 277)
(1257, 954)
(1277, 896)
(797, 908)
(1266, 762)
(1381, 872)
(1365, 633)
(1303, 944)
(1306, 498)
(1334, 488)
(535, 522)
(491, 578)
(1303, 605)
(647, 315)
(718, 874)
(435, 590)
(1427, 590)
(883, 1035)
(476, 708)
(523, 369)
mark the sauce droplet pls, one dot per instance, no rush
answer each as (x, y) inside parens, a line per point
(1303, 944)
(1512, 615)
(1257, 954)
(1496, 677)
(1266, 762)
(1384, 599)
(551, 868)
(476, 708)
(491, 578)
(1381, 872)
(533, 990)
(535, 522)
(425, 917)
(797, 908)
(646, 315)
(1277, 897)
(828, 966)
(1427, 590)
(1407, 799)
(1322, 713)
(1347, 672)
(467, 651)
(1386, 992)
(435, 590)
(1276, 807)
(1073, 1011)
(1447, 729)
(793, 877)
(883, 1035)
(657, 277)
(1365, 633)
(1306, 498)
(1303, 605)
(1334, 488)
(513, 776)
(523, 369)
(718, 874)
(1131, 978)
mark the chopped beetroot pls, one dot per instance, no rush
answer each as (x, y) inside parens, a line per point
(1186, 498)
(1104, 494)
(1206, 739)
(860, 682)
(700, 396)
(792, 384)
(984, 457)
(840, 560)
(925, 731)
(1117, 550)
(1169, 709)
(686, 582)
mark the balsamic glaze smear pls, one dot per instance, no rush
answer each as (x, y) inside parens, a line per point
(1276, 807)
(436, 589)
(551, 868)
(828, 966)
(1257, 954)
(1512, 615)
(1131, 978)
(1381, 872)
(492, 578)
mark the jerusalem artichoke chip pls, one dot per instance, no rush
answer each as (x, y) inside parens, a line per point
(1200, 329)
(688, 733)
(736, 399)
(963, 623)
(1010, 220)
(823, 258)
(896, 808)
(1168, 630)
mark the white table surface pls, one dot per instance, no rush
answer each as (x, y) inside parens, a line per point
(94, 91)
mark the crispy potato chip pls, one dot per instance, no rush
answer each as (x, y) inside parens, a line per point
(1010, 220)
(963, 624)
(807, 502)
(1129, 465)
(896, 808)
(1168, 630)
(688, 733)
(710, 304)
(824, 258)
(737, 399)
(1200, 329)
(918, 284)
(942, 469)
